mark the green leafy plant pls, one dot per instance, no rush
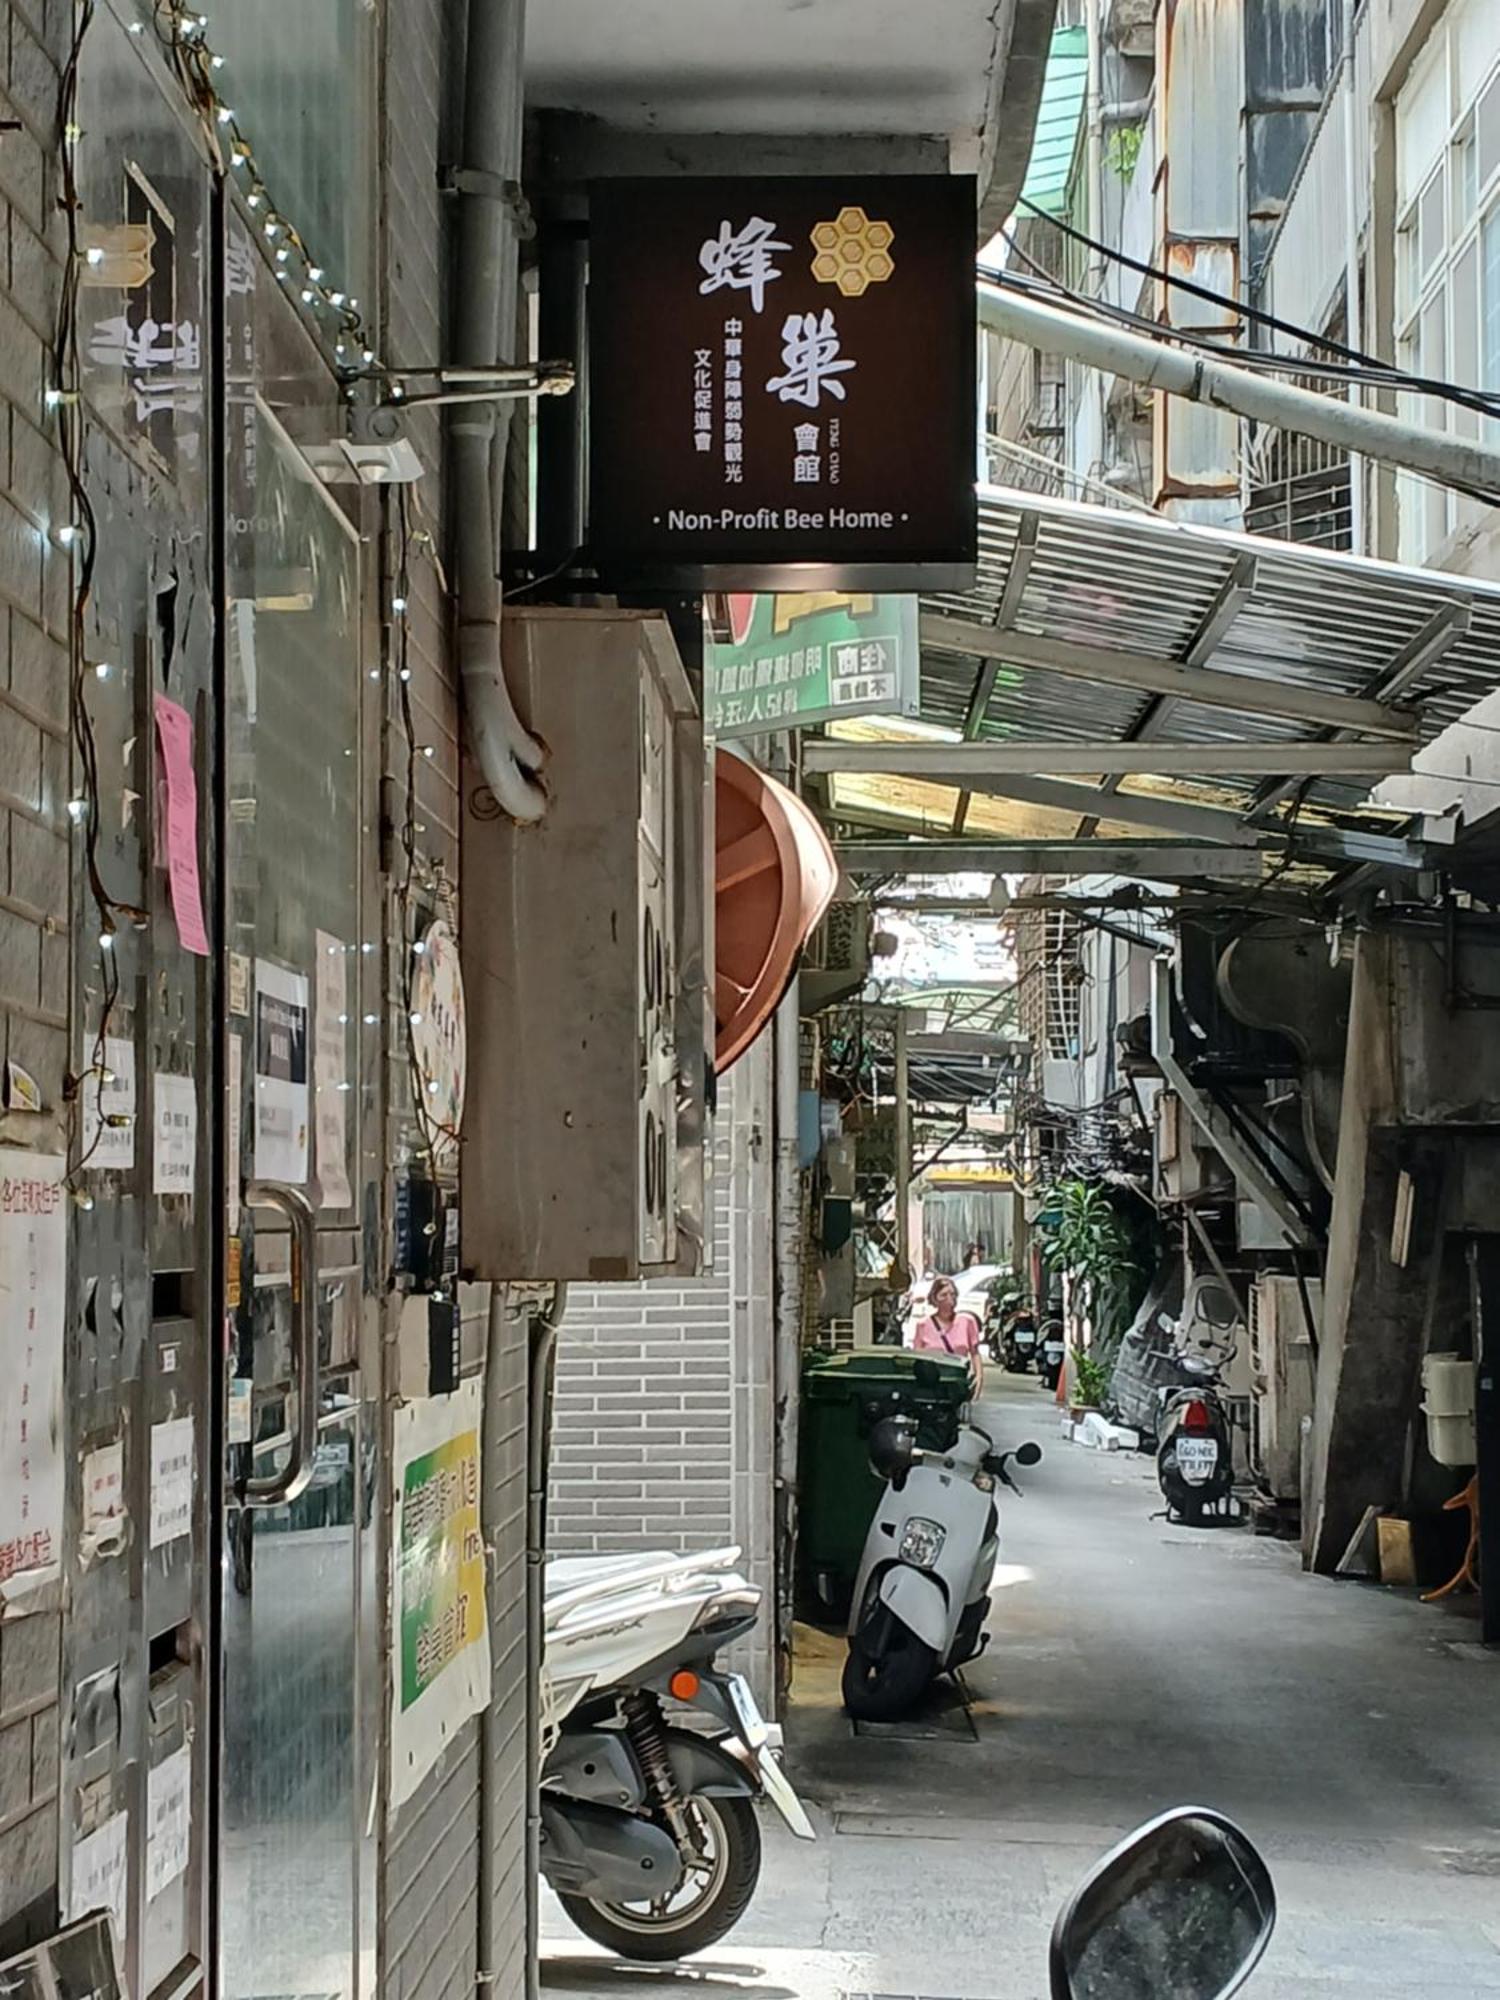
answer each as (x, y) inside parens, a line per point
(1084, 1236)
(1091, 1379)
(1122, 149)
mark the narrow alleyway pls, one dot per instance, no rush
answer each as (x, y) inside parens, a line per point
(1136, 1665)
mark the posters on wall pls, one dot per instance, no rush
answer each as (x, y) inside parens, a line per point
(440, 1662)
(174, 735)
(174, 1144)
(169, 1819)
(171, 1481)
(331, 1071)
(33, 1262)
(107, 1098)
(281, 1053)
(101, 1873)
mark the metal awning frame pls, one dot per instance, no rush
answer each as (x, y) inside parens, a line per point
(1271, 671)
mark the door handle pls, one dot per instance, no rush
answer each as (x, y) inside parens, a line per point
(279, 1489)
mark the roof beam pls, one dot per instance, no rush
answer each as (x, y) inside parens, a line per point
(1160, 860)
(979, 701)
(1443, 629)
(1246, 695)
(967, 763)
(1167, 815)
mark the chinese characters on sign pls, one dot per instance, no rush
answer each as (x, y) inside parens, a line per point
(810, 657)
(441, 1659)
(783, 381)
(33, 1260)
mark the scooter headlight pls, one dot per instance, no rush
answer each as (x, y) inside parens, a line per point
(922, 1541)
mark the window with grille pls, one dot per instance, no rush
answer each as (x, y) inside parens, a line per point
(1448, 247)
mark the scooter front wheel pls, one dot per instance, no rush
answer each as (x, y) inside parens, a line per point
(883, 1685)
(713, 1895)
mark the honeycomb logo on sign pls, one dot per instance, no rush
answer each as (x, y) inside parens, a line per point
(853, 252)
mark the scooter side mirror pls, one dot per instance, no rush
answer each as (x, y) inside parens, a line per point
(1184, 1906)
(891, 1448)
(1027, 1454)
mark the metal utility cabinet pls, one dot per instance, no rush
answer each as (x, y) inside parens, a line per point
(588, 1047)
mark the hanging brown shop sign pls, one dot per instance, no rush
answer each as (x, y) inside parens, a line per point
(782, 382)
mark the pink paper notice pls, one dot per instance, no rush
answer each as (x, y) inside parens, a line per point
(174, 732)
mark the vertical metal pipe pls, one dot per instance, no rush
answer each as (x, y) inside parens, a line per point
(1094, 158)
(561, 282)
(789, 1270)
(1352, 316)
(903, 1144)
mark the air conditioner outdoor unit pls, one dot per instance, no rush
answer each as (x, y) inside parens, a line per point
(1284, 1378)
(585, 947)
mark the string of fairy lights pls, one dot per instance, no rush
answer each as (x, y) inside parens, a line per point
(201, 69)
(183, 33)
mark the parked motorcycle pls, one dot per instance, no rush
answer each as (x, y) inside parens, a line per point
(1019, 1340)
(1194, 1446)
(1052, 1353)
(1184, 1907)
(653, 1759)
(923, 1586)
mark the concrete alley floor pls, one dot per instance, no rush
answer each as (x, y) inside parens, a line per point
(1133, 1665)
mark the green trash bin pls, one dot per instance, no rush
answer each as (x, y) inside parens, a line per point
(844, 1396)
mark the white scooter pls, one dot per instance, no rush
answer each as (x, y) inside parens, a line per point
(924, 1583)
(652, 1759)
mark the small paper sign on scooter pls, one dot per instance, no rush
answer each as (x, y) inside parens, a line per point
(174, 733)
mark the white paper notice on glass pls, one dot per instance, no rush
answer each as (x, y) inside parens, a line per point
(174, 1138)
(235, 1122)
(169, 1819)
(331, 1071)
(108, 1103)
(171, 1481)
(33, 1267)
(101, 1874)
(281, 1094)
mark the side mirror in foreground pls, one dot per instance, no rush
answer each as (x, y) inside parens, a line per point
(1184, 1907)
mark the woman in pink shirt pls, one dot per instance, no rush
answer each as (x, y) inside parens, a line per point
(948, 1331)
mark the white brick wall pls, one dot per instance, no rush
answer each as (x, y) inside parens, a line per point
(663, 1425)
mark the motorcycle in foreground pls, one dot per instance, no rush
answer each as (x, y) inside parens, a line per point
(1183, 1908)
(653, 1759)
(924, 1580)
(1194, 1448)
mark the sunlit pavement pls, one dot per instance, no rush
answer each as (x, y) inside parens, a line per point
(1134, 1665)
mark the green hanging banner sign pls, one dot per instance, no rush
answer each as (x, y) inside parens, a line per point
(808, 657)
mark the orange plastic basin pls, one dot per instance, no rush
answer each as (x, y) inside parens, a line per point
(775, 875)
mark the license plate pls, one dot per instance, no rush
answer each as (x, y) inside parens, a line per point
(1026, 1340)
(1197, 1458)
(748, 1718)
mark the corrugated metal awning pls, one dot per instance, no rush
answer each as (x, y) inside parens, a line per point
(1089, 625)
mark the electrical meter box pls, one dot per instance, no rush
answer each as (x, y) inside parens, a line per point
(586, 948)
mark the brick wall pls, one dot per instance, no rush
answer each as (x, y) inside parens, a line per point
(663, 1426)
(34, 791)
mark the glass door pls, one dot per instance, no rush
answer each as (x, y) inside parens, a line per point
(299, 1605)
